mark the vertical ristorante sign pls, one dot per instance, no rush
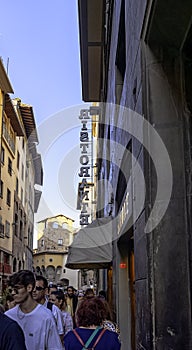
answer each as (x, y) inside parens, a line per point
(85, 172)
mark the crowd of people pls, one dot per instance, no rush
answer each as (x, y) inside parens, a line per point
(38, 316)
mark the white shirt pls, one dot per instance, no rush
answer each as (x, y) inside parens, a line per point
(38, 326)
(57, 316)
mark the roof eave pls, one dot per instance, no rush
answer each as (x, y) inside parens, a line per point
(5, 84)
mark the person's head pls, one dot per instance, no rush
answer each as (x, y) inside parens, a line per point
(91, 311)
(70, 291)
(52, 288)
(10, 302)
(58, 298)
(80, 294)
(89, 292)
(40, 290)
(108, 309)
(102, 294)
(21, 285)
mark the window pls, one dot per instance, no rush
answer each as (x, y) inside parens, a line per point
(1, 189)
(6, 258)
(8, 197)
(14, 265)
(15, 225)
(4, 129)
(22, 172)
(21, 195)
(42, 243)
(55, 224)
(11, 139)
(7, 229)
(65, 225)
(60, 241)
(18, 160)
(9, 166)
(17, 185)
(21, 230)
(1, 228)
(2, 155)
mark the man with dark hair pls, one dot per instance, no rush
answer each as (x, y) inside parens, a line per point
(11, 334)
(39, 294)
(35, 320)
(71, 300)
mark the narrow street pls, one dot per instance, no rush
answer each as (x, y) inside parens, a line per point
(121, 167)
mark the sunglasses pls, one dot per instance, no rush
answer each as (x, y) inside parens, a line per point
(39, 288)
(15, 289)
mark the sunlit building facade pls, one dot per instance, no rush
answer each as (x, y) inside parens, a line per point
(55, 234)
(18, 176)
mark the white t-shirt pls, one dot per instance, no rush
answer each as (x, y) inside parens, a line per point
(57, 316)
(38, 326)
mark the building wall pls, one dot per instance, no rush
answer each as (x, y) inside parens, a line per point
(29, 208)
(5, 239)
(148, 79)
(8, 179)
(16, 208)
(61, 220)
(8, 183)
(55, 235)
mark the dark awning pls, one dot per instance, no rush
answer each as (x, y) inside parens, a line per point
(92, 246)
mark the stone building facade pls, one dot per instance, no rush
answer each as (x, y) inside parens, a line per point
(55, 234)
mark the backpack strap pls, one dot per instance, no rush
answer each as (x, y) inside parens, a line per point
(78, 337)
(99, 337)
(90, 338)
(49, 305)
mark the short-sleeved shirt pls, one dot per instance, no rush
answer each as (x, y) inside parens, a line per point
(11, 334)
(67, 322)
(109, 340)
(57, 316)
(38, 326)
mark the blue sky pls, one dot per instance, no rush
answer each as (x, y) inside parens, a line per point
(40, 38)
(39, 45)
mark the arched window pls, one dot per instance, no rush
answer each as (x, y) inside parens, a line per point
(65, 225)
(38, 270)
(50, 272)
(55, 224)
